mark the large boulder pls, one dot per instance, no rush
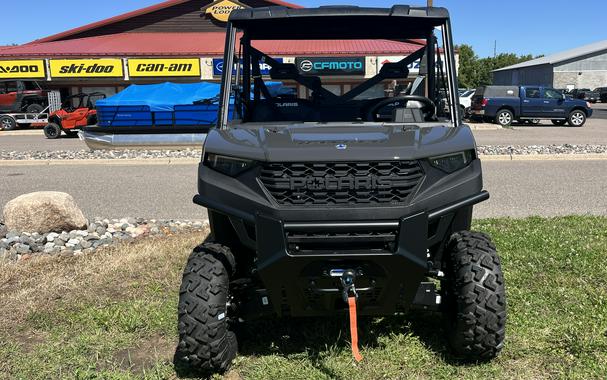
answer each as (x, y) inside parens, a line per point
(42, 212)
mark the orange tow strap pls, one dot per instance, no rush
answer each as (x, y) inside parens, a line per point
(354, 329)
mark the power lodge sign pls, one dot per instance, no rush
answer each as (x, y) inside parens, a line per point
(185, 67)
(86, 68)
(22, 69)
(220, 10)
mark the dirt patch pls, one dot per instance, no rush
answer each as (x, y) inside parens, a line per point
(115, 273)
(146, 354)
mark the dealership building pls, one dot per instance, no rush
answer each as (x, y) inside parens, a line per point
(582, 67)
(183, 41)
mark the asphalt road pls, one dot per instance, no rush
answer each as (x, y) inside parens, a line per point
(600, 110)
(518, 188)
(594, 132)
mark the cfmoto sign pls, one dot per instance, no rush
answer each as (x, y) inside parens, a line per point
(306, 66)
(332, 65)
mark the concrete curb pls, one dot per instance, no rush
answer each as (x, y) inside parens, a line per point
(545, 157)
(30, 132)
(485, 127)
(104, 162)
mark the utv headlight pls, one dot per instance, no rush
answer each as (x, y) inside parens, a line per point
(452, 162)
(231, 166)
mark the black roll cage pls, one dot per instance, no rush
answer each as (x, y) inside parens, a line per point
(251, 66)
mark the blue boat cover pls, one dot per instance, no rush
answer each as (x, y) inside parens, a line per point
(163, 96)
(168, 105)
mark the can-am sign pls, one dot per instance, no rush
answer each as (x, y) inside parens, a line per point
(86, 68)
(187, 67)
(221, 9)
(22, 69)
(331, 66)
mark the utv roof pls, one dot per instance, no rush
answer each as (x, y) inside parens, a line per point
(341, 22)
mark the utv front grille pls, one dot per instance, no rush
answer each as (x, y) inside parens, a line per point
(341, 183)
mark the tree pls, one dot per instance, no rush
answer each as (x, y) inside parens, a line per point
(468, 62)
(474, 72)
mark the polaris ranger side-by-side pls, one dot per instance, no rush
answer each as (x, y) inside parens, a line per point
(340, 204)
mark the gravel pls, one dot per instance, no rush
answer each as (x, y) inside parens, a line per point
(16, 246)
(493, 150)
(196, 153)
(99, 154)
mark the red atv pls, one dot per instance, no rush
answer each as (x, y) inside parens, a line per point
(77, 111)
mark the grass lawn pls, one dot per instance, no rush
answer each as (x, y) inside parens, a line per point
(112, 315)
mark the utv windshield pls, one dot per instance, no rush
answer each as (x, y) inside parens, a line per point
(351, 72)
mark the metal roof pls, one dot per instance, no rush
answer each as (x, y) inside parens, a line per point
(126, 16)
(198, 44)
(562, 56)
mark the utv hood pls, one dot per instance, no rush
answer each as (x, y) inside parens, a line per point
(338, 142)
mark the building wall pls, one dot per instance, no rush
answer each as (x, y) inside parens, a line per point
(581, 79)
(587, 72)
(583, 72)
(535, 75)
(185, 17)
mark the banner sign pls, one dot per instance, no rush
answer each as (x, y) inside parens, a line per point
(413, 67)
(86, 68)
(331, 66)
(264, 68)
(22, 69)
(157, 67)
(220, 10)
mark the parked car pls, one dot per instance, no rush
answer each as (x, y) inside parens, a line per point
(585, 94)
(602, 91)
(465, 101)
(17, 96)
(506, 104)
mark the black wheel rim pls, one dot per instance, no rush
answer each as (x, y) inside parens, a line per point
(52, 132)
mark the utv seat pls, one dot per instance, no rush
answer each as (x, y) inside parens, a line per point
(288, 109)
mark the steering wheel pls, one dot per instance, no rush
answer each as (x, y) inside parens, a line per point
(428, 106)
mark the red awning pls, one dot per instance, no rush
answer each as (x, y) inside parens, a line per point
(197, 44)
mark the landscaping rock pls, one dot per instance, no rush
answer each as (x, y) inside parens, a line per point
(17, 246)
(44, 212)
(22, 248)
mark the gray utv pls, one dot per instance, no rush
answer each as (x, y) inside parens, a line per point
(320, 201)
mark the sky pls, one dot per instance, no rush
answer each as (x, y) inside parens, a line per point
(518, 26)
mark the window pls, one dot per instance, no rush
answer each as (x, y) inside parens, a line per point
(31, 86)
(11, 87)
(533, 92)
(552, 94)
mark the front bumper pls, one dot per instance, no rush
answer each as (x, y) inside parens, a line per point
(302, 282)
(298, 247)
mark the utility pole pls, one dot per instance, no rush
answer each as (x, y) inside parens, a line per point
(495, 49)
